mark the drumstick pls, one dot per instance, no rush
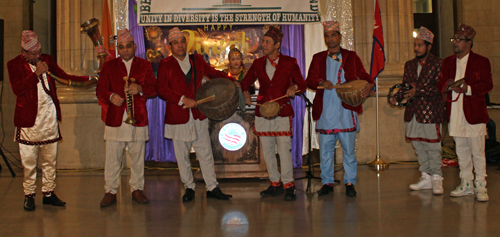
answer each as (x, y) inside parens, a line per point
(279, 98)
(341, 86)
(206, 99)
(256, 104)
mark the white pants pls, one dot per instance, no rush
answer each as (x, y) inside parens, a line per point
(29, 159)
(284, 150)
(114, 156)
(203, 148)
(470, 152)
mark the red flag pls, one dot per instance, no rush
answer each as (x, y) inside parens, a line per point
(378, 56)
(107, 31)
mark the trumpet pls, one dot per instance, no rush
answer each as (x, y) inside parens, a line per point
(130, 101)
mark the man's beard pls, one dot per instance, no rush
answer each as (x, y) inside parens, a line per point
(423, 55)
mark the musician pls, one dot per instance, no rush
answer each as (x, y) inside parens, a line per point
(179, 77)
(467, 114)
(277, 75)
(36, 116)
(111, 89)
(335, 119)
(425, 112)
(236, 68)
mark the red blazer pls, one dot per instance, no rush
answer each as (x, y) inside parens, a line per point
(353, 68)
(111, 81)
(287, 74)
(24, 85)
(171, 86)
(478, 77)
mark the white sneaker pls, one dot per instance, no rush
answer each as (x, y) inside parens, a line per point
(465, 188)
(423, 183)
(437, 184)
(481, 191)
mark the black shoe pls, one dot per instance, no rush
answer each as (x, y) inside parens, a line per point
(326, 189)
(53, 200)
(188, 195)
(217, 193)
(290, 194)
(29, 203)
(349, 190)
(272, 191)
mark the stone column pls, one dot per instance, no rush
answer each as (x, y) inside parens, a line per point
(397, 23)
(81, 127)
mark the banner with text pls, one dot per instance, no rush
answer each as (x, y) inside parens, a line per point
(195, 12)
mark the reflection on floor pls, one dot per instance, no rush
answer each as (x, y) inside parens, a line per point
(384, 206)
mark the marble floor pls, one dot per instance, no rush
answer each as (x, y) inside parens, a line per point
(384, 206)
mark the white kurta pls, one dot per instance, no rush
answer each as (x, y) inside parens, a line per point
(46, 128)
(458, 126)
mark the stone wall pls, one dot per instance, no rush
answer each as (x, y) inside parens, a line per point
(484, 17)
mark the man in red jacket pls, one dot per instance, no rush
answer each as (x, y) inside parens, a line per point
(116, 75)
(179, 77)
(278, 75)
(335, 119)
(466, 110)
(36, 116)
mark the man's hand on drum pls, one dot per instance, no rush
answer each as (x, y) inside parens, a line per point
(328, 85)
(117, 99)
(248, 100)
(291, 91)
(368, 89)
(237, 84)
(410, 93)
(188, 102)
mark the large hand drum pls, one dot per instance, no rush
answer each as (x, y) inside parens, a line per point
(226, 98)
(352, 95)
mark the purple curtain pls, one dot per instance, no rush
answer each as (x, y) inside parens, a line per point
(158, 148)
(293, 46)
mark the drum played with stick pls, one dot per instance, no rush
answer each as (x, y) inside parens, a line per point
(270, 110)
(352, 95)
(226, 98)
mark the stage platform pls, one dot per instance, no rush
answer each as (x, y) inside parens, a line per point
(384, 206)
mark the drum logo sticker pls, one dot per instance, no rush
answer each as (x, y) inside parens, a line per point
(232, 136)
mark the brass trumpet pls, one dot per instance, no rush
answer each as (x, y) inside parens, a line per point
(130, 102)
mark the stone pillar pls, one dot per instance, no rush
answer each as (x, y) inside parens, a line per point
(81, 127)
(397, 23)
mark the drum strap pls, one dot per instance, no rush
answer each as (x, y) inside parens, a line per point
(193, 66)
(339, 81)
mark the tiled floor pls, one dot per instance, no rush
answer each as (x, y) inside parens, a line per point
(384, 206)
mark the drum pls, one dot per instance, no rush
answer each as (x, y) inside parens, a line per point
(457, 83)
(403, 87)
(270, 110)
(352, 95)
(226, 98)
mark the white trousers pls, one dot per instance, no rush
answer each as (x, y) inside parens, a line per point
(470, 152)
(284, 150)
(29, 159)
(203, 148)
(113, 167)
